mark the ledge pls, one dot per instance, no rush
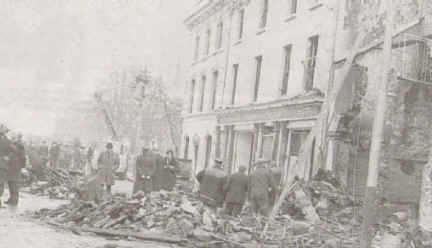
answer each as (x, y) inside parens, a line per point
(291, 17)
(261, 31)
(317, 6)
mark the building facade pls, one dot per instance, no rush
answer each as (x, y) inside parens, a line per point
(257, 79)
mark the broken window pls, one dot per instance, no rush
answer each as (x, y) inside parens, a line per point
(258, 64)
(310, 62)
(286, 69)
(234, 87)
(264, 13)
(219, 36)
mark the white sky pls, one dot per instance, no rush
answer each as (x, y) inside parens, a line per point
(54, 52)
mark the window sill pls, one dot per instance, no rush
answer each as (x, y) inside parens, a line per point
(261, 31)
(237, 42)
(291, 17)
(316, 6)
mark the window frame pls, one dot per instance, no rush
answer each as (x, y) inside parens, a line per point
(287, 51)
(202, 93)
(215, 75)
(192, 96)
(235, 81)
(241, 24)
(258, 71)
(219, 39)
(311, 62)
(264, 14)
(197, 47)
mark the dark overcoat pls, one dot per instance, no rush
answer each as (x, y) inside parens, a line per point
(236, 188)
(211, 189)
(17, 162)
(6, 149)
(108, 163)
(146, 166)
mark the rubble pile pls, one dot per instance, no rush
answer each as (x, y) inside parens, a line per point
(60, 185)
(182, 215)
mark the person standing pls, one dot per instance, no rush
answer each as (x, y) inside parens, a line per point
(262, 186)
(6, 148)
(146, 167)
(44, 152)
(108, 163)
(17, 163)
(236, 189)
(211, 186)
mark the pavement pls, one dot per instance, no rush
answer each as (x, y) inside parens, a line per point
(17, 230)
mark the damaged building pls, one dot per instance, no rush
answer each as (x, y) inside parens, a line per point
(257, 85)
(255, 88)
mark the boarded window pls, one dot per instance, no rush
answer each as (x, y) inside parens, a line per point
(214, 90)
(202, 95)
(241, 23)
(264, 13)
(191, 96)
(219, 36)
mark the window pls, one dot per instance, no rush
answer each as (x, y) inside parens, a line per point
(234, 87)
(292, 7)
(220, 36)
(186, 148)
(214, 89)
(286, 69)
(191, 96)
(241, 23)
(258, 64)
(203, 85)
(207, 48)
(264, 13)
(197, 47)
(310, 62)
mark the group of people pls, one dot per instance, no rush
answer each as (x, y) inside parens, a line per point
(12, 160)
(217, 190)
(153, 172)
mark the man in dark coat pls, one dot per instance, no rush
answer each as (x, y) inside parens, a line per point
(17, 162)
(6, 149)
(146, 166)
(262, 186)
(236, 189)
(108, 163)
(211, 186)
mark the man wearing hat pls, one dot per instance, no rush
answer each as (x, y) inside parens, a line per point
(211, 189)
(146, 167)
(262, 186)
(6, 149)
(108, 163)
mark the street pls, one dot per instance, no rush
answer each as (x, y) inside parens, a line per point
(18, 230)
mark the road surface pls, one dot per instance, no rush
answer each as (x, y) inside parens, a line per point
(17, 230)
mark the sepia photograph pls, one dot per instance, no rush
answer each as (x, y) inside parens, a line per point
(216, 123)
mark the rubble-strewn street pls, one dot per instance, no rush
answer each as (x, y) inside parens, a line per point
(18, 230)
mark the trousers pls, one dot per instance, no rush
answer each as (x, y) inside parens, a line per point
(13, 191)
